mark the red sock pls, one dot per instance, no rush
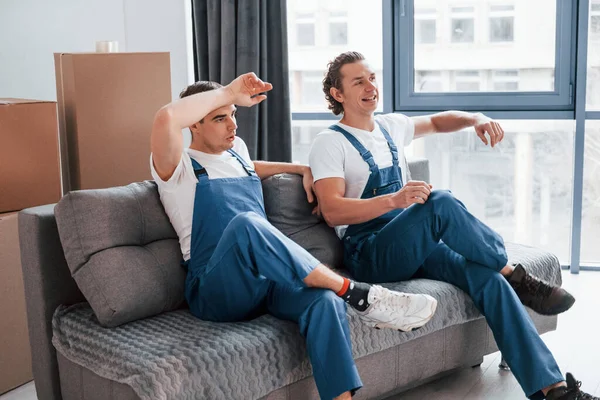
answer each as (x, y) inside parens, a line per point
(344, 288)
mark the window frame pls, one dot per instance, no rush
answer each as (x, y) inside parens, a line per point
(572, 35)
(404, 97)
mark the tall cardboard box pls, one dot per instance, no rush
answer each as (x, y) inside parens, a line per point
(15, 355)
(29, 159)
(106, 106)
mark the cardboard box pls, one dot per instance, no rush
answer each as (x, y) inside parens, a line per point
(15, 354)
(106, 106)
(29, 160)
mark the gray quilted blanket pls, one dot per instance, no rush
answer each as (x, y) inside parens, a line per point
(177, 356)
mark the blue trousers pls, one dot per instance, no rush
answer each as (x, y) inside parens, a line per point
(257, 269)
(441, 240)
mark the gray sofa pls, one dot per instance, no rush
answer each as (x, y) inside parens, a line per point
(106, 346)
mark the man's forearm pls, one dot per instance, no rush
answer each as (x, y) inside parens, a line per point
(347, 211)
(191, 109)
(265, 169)
(452, 121)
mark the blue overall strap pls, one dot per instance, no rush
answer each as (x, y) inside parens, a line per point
(199, 170)
(364, 153)
(248, 169)
(391, 144)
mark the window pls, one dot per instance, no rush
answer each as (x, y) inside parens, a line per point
(305, 29)
(502, 23)
(595, 21)
(467, 81)
(593, 69)
(463, 24)
(544, 76)
(505, 80)
(312, 89)
(428, 81)
(338, 28)
(590, 217)
(303, 134)
(471, 55)
(590, 252)
(425, 26)
(521, 189)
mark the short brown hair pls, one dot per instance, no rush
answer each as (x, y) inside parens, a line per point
(333, 78)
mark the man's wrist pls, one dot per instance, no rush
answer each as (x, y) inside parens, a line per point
(479, 118)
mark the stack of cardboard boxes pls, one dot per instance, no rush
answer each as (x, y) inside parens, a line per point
(97, 135)
(29, 176)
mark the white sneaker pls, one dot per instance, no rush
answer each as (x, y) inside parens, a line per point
(396, 310)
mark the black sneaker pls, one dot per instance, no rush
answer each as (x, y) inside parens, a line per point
(540, 296)
(570, 392)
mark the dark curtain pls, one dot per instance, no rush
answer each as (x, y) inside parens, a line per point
(232, 37)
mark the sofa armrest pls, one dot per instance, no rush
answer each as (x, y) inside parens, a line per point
(48, 284)
(419, 169)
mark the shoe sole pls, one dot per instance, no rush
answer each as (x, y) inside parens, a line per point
(406, 328)
(559, 309)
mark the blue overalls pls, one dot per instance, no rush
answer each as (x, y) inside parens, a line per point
(241, 267)
(441, 240)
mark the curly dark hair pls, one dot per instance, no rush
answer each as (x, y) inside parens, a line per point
(333, 78)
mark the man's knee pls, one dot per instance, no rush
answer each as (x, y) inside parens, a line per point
(442, 201)
(441, 197)
(245, 220)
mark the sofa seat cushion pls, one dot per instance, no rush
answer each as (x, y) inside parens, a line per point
(174, 354)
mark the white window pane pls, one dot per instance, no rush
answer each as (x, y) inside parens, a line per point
(312, 89)
(463, 9)
(467, 86)
(463, 30)
(303, 134)
(506, 72)
(305, 34)
(484, 35)
(506, 86)
(508, 7)
(425, 31)
(521, 188)
(343, 25)
(590, 219)
(593, 71)
(502, 29)
(467, 73)
(429, 81)
(338, 33)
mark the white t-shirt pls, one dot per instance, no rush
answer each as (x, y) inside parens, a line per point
(177, 194)
(333, 156)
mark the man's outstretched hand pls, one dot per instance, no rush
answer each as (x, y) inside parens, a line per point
(487, 125)
(246, 89)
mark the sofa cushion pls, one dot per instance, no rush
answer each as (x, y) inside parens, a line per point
(175, 355)
(289, 211)
(122, 251)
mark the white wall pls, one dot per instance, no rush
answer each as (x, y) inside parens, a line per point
(32, 30)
